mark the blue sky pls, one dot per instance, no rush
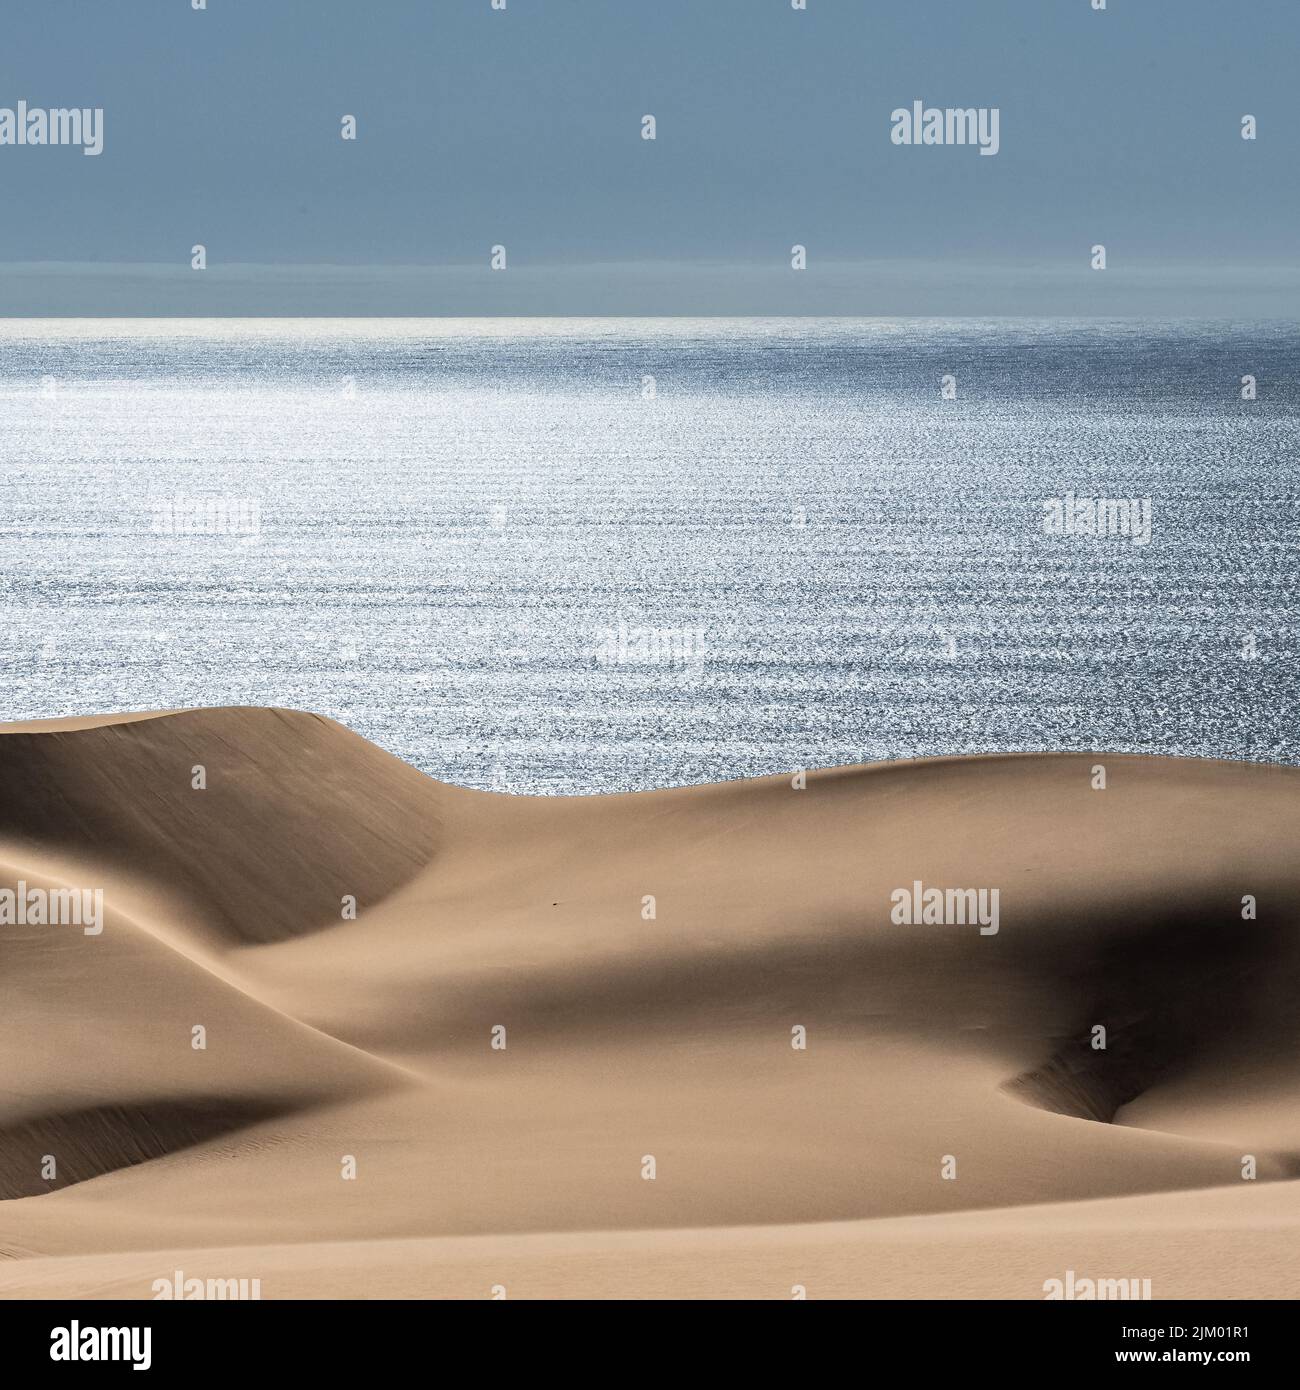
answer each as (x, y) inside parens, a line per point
(522, 127)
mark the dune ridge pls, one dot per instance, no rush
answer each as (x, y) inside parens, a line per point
(374, 819)
(537, 994)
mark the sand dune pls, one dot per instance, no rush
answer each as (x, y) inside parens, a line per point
(290, 811)
(949, 1126)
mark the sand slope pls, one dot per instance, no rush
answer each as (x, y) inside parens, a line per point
(632, 1033)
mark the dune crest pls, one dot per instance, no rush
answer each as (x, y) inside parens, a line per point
(49, 1152)
(295, 811)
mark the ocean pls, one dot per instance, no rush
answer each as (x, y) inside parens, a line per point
(577, 555)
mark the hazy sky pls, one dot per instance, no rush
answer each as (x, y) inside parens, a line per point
(523, 127)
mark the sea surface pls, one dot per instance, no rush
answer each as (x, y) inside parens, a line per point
(501, 551)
